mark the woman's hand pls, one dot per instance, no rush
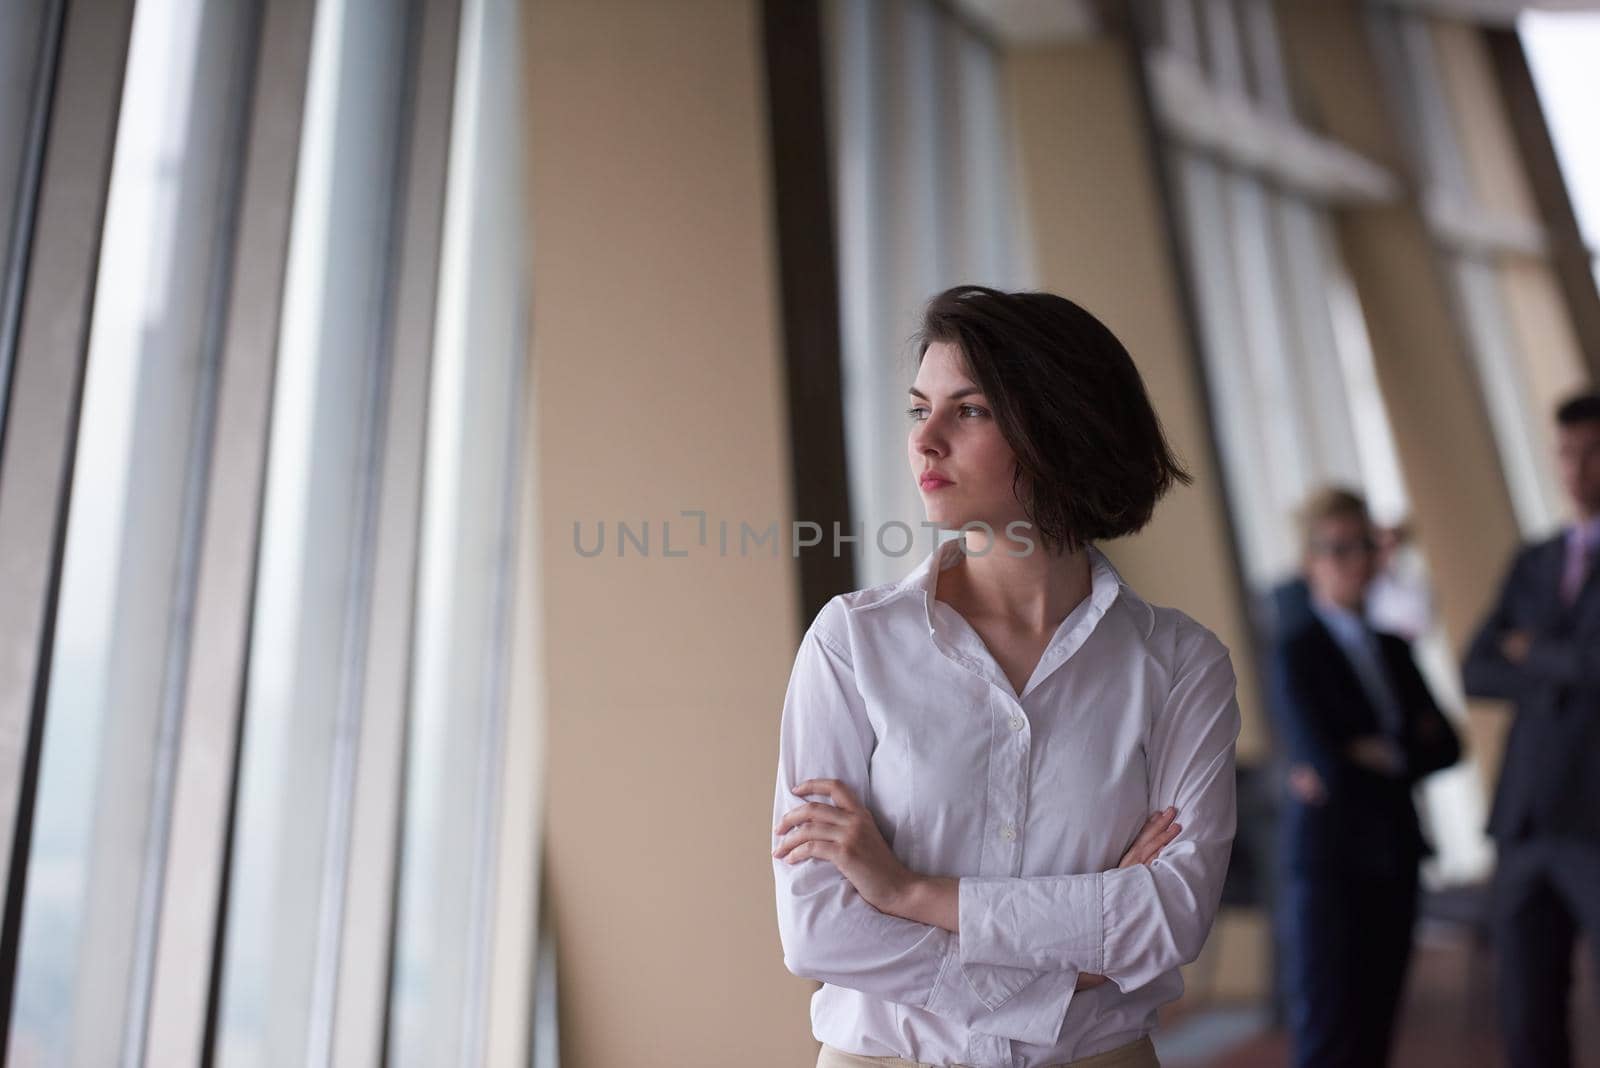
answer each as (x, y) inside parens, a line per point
(845, 834)
(1156, 834)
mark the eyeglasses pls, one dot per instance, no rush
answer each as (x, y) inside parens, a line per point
(1340, 550)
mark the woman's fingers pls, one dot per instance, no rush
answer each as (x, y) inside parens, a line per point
(1158, 831)
(805, 838)
(833, 789)
(1154, 828)
(819, 811)
(819, 848)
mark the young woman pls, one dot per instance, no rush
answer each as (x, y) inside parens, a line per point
(1005, 791)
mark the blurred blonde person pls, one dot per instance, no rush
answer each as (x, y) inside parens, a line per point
(1361, 729)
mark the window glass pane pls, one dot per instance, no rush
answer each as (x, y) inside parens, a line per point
(1327, 436)
(1284, 405)
(1180, 29)
(1236, 399)
(1223, 47)
(924, 202)
(25, 29)
(1267, 74)
(104, 796)
(1501, 378)
(456, 752)
(1561, 48)
(301, 717)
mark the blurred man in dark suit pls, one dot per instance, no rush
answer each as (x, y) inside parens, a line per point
(1540, 647)
(1361, 729)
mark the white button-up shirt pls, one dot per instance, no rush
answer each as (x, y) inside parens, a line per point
(1030, 799)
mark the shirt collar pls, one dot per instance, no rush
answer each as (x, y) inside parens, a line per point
(1587, 532)
(1346, 625)
(1105, 586)
(1105, 581)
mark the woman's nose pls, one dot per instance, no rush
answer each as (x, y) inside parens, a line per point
(927, 437)
(927, 441)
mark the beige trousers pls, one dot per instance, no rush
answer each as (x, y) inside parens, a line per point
(1140, 1054)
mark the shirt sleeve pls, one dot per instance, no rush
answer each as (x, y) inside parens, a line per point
(1564, 660)
(1431, 742)
(828, 931)
(1134, 924)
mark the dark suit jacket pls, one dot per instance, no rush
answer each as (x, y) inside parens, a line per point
(1368, 820)
(1550, 777)
(1289, 607)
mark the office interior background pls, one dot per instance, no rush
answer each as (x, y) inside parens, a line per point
(333, 333)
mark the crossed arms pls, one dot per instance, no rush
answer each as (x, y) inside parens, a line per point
(1019, 944)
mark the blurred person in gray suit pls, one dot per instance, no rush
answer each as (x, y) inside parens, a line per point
(1540, 647)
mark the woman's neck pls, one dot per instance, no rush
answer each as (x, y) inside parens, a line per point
(1035, 591)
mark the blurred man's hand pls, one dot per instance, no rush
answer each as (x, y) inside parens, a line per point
(1514, 646)
(1375, 753)
(1306, 785)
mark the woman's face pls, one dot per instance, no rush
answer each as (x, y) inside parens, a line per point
(961, 462)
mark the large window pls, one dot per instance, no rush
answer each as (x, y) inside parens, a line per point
(278, 763)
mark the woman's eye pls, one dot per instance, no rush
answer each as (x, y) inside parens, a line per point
(972, 410)
(916, 414)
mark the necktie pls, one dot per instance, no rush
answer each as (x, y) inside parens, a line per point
(1579, 551)
(1379, 691)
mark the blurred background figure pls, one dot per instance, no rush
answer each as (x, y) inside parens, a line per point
(1540, 647)
(1361, 729)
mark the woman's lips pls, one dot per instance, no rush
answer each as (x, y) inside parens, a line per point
(929, 483)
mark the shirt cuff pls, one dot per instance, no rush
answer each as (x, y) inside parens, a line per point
(950, 991)
(1047, 922)
(1021, 1005)
(961, 989)
(1034, 1015)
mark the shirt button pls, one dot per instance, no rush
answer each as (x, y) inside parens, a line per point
(1009, 833)
(1016, 722)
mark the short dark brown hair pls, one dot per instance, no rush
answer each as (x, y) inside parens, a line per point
(1092, 459)
(1330, 502)
(1583, 408)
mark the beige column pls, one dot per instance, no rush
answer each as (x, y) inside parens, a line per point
(655, 340)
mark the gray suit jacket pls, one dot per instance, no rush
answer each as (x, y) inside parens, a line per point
(1550, 778)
